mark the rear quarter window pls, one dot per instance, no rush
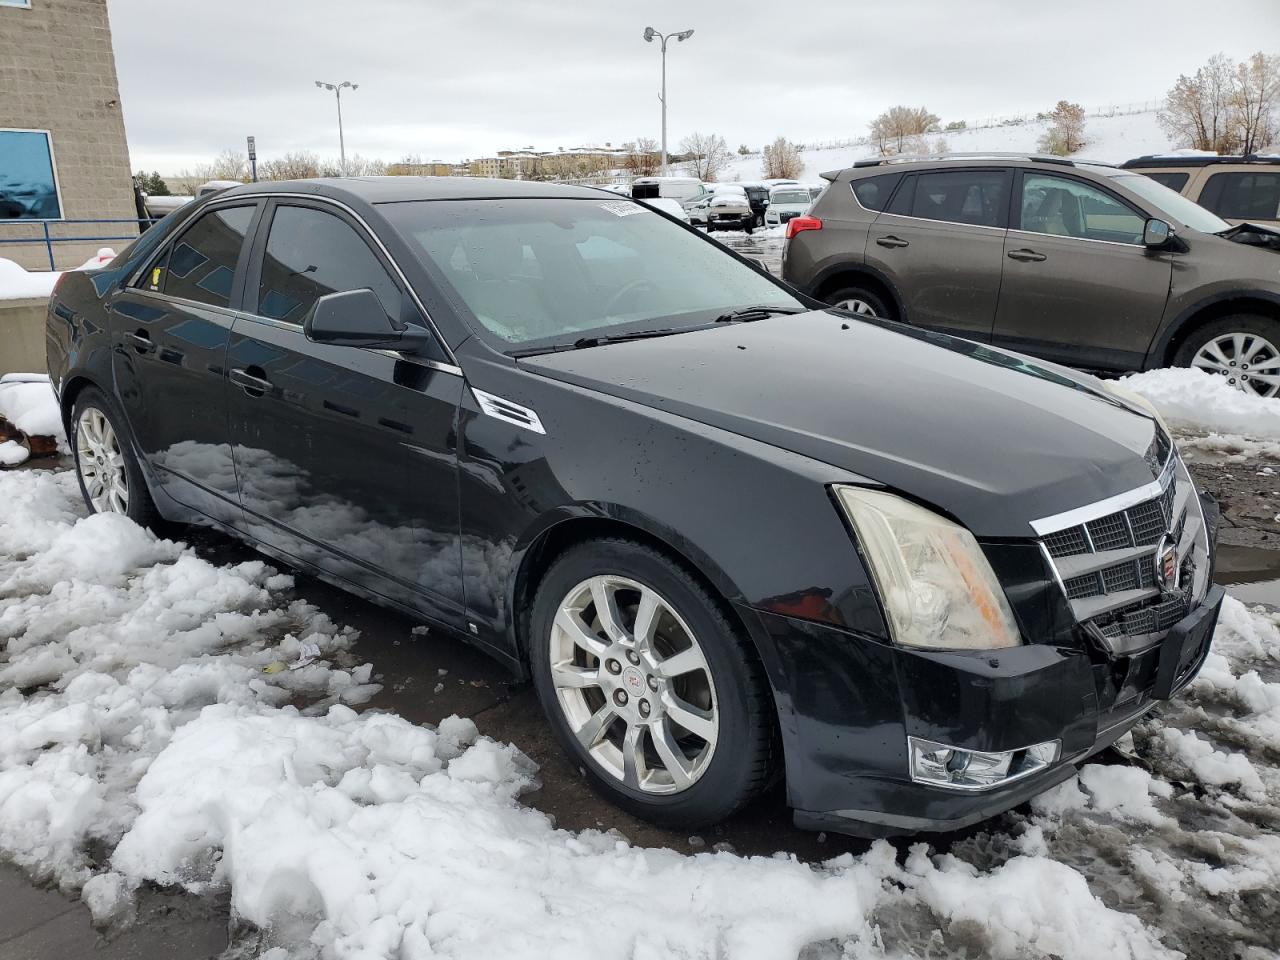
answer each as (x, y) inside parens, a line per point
(874, 192)
(1173, 179)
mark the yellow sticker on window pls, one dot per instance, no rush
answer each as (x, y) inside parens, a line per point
(155, 278)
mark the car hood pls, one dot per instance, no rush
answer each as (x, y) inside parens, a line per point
(995, 439)
(729, 200)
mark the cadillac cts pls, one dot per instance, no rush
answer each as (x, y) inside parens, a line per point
(728, 532)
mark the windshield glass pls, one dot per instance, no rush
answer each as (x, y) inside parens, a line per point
(790, 196)
(535, 272)
(1173, 204)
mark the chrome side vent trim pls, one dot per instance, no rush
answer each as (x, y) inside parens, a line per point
(508, 412)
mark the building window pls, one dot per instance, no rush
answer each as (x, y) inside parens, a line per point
(25, 4)
(28, 176)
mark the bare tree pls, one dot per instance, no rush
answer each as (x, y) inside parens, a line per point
(1066, 129)
(642, 158)
(708, 154)
(782, 160)
(1255, 99)
(1198, 110)
(902, 128)
(298, 165)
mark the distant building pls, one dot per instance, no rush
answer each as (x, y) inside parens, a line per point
(63, 153)
(433, 169)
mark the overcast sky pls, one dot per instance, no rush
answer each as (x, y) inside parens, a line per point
(469, 77)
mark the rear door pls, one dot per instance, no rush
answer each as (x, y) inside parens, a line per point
(346, 456)
(170, 334)
(1079, 286)
(1243, 196)
(940, 241)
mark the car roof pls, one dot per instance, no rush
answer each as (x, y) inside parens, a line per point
(871, 165)
(400, 189)
(1194, 160)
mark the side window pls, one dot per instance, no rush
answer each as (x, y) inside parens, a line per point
(1170, 178)
(311, 253)
(874, 192)
(1069, 208)
(201, 262)
(1243, 196)
(961, 196)
(903, 197)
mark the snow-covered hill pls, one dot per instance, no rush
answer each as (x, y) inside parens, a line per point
(1111, 139)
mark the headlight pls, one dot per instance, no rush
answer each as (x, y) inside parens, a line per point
(935, 583)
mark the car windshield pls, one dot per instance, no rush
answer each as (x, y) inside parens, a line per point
(1172, 203)
(546, 272)
(790, 196)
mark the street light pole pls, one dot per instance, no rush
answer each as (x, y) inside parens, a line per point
(649, 34)
(337, 92)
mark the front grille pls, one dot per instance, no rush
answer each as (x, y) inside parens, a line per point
(1107, 564)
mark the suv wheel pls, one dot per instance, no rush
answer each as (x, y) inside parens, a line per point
(110, 478)
(648, 686)
(1244, 348)
(859, 300)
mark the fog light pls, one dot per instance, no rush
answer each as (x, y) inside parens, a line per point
(957, 769)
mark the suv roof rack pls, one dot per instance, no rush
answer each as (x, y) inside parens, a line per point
(976, 155)
(1172, 160)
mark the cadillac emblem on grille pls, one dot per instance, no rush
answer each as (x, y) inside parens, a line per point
(1166, 560)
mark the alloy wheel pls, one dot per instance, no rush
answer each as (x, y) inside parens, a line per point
(634, 685)
(1249, 362)
(854, 305)
(101, 463)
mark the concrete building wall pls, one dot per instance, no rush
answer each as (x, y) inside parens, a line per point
(58, 73)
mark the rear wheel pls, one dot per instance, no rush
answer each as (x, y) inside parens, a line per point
(859, 300)
(1243, 348)
(648, 686)
(110, 478)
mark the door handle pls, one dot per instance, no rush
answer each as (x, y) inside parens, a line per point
(892, 241)
(1026, 256)
(141, 341)
(254, 386)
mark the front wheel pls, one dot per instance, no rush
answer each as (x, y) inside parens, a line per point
(1244, 348)
(648, 686)
(110, 478)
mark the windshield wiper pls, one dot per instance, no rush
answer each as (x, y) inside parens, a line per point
(583, 343)
(753, 313)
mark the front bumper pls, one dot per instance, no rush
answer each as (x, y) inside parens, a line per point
(847, 705)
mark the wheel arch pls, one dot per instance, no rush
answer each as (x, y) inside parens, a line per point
(1206, 311)
(843, 274)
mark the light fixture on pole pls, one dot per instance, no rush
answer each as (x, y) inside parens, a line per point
(649, 34)
(337, 92)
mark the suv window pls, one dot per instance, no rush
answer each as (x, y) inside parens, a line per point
(1068, 208)
(874, 192)
(956, 196)
(1172, 179)
(1252, 195)
(311, 253)
(202, 261)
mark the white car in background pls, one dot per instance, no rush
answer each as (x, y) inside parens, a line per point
(686, 190)
(670, 207)
(786, 201)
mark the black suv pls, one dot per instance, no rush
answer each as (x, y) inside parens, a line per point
(713, 522)
(1088, 265)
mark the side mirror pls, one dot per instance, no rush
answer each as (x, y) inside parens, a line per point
(1156, 233)
(356, 318)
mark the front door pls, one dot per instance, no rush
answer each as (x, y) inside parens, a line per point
(170, 332)
(941, 242)
(346, 456)
(1079, 286)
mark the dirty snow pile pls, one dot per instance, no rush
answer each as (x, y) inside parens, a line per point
(1196, 401)
(28, 403)
(152, 733)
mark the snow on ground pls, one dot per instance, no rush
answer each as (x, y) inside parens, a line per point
(1196, 401)
(27, 401)
(17, 283)
(1111, 139)
(151, 731)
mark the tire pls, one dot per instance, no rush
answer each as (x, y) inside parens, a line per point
(749, 225)
(710, 226)
(853, 294)
(88, 442)
(1243, 347)
(726, 687)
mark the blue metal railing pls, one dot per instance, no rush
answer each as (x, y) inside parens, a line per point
(42, 234)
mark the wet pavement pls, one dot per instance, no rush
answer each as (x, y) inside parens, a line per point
(767, 249)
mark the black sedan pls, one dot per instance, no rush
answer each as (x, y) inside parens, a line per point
(729, 533)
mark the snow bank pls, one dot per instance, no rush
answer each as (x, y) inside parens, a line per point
(27, 401)
(1191, 399)
(148, 735)
(17, 283)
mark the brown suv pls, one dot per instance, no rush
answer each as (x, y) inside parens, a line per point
(1088, 265)
(1238, 189)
